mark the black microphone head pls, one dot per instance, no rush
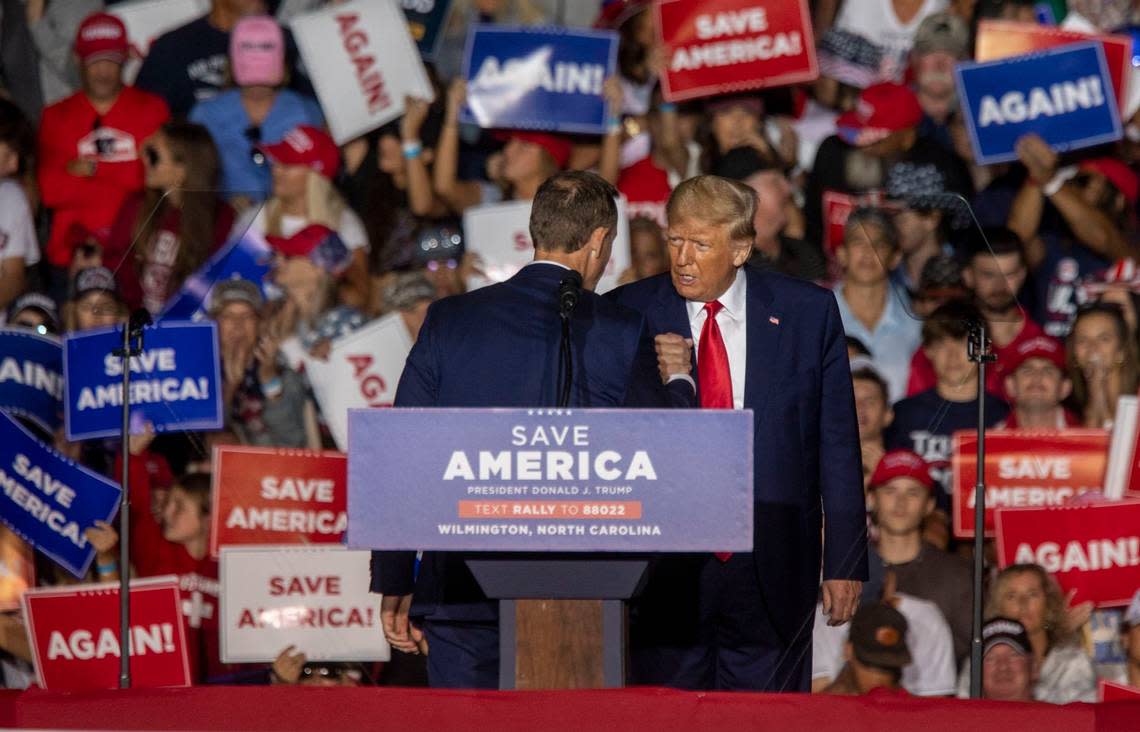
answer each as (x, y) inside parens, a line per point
(568, 288)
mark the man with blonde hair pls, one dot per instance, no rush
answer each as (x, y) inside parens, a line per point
(775, 345)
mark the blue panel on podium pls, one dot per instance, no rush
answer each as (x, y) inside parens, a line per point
(590, 480)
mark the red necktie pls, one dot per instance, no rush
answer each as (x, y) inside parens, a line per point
(713, 373)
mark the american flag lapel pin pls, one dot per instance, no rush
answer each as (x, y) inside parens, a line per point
(773, 320)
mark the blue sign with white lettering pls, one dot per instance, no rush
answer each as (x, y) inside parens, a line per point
(521, 78)
(48, 500)
(248, 258)
(425, 22)
(607, 480)
(175, 382)
(1064, 95)
(31, 377)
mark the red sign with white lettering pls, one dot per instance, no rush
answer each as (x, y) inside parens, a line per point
(1026, 469)
(1093, 550)
(75, 635)
(722, 46)
(265, 495)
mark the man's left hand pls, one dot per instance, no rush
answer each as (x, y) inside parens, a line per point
(840, 599)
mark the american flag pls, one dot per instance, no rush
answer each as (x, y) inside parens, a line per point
(773, 320)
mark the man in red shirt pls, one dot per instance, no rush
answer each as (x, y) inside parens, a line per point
(995, 272)
(89, 142)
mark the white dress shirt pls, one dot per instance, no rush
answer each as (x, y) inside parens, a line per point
(733, 329)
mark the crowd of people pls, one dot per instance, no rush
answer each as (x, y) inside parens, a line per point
(113, 193)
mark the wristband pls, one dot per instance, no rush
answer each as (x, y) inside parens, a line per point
(107, 568)
(613, 125)
(412, 149)
(666, 107)
(1060, 178)
(272, 389)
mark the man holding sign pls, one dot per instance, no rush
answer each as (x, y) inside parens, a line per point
(481, 350)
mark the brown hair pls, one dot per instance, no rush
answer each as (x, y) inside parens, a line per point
(567, 209)
(949, 320)
(1056, 609)
(197, 487)
(1129, 370)
(718, 201)
(191, 147)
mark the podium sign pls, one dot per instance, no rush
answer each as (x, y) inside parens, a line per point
(542, 480)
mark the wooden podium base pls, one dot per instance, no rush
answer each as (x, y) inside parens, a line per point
(561, 644)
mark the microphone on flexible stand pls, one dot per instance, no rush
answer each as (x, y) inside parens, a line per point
(569, 288)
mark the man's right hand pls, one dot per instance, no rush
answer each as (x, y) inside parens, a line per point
(398, 630)
(674, 355)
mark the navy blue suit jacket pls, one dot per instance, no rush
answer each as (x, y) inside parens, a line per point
(498, 347)
(807, 462)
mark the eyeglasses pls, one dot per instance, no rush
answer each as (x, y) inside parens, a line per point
(435, 264)
(253, 134)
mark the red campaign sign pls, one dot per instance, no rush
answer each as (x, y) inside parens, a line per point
(1025, 469)
(265, 495)
(1093, 550)
(722, 46)
(75, 635)
(1110, 691)
(999, 39)
(837, 208)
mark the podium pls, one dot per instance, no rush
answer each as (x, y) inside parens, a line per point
(557, 513)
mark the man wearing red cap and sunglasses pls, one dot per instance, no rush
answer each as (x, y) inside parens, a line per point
(89, 142)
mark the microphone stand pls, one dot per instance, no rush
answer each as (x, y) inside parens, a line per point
(568, 290)
(132, 346)
(978, 350)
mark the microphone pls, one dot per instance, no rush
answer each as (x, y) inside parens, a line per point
(568, 291)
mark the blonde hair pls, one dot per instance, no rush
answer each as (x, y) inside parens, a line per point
(323, 204)
(1055, 615)
(717, 201)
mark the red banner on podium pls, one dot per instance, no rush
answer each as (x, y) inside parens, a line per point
(1109, 691)
(1093, 550)
(265, 495)
(722, 46)
(75, 635)
(1004, 38)
(1025, 469)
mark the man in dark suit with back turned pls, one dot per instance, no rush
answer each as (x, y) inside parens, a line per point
(499, 347)
(775, 345)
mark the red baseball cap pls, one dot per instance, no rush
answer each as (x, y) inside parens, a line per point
(880, 110)
(306, 146)
(1118, 174)
(101, 36)
(1044, 347)
(902, 464)
(558, 146)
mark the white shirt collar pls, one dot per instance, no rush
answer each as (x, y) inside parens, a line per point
(546, 261)
(734, 299)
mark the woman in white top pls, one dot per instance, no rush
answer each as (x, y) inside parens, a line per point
(304, 164)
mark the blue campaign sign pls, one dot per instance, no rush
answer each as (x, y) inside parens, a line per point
(425, 21)
(31, 377)
(1064, 95)
(247, 258)
(550, 480)
(175, 382)
(49, 500)
(522, 78)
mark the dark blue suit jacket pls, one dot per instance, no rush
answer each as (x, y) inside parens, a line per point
(498, 347)
(807, 462)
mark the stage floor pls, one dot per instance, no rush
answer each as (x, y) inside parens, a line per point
(279, 708)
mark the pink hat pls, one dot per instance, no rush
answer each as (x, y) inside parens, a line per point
(257, 52)
(100, 37)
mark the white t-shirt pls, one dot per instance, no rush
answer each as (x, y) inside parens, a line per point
(17, 232)
(876, 21)
(351, 228)
(928, 638)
